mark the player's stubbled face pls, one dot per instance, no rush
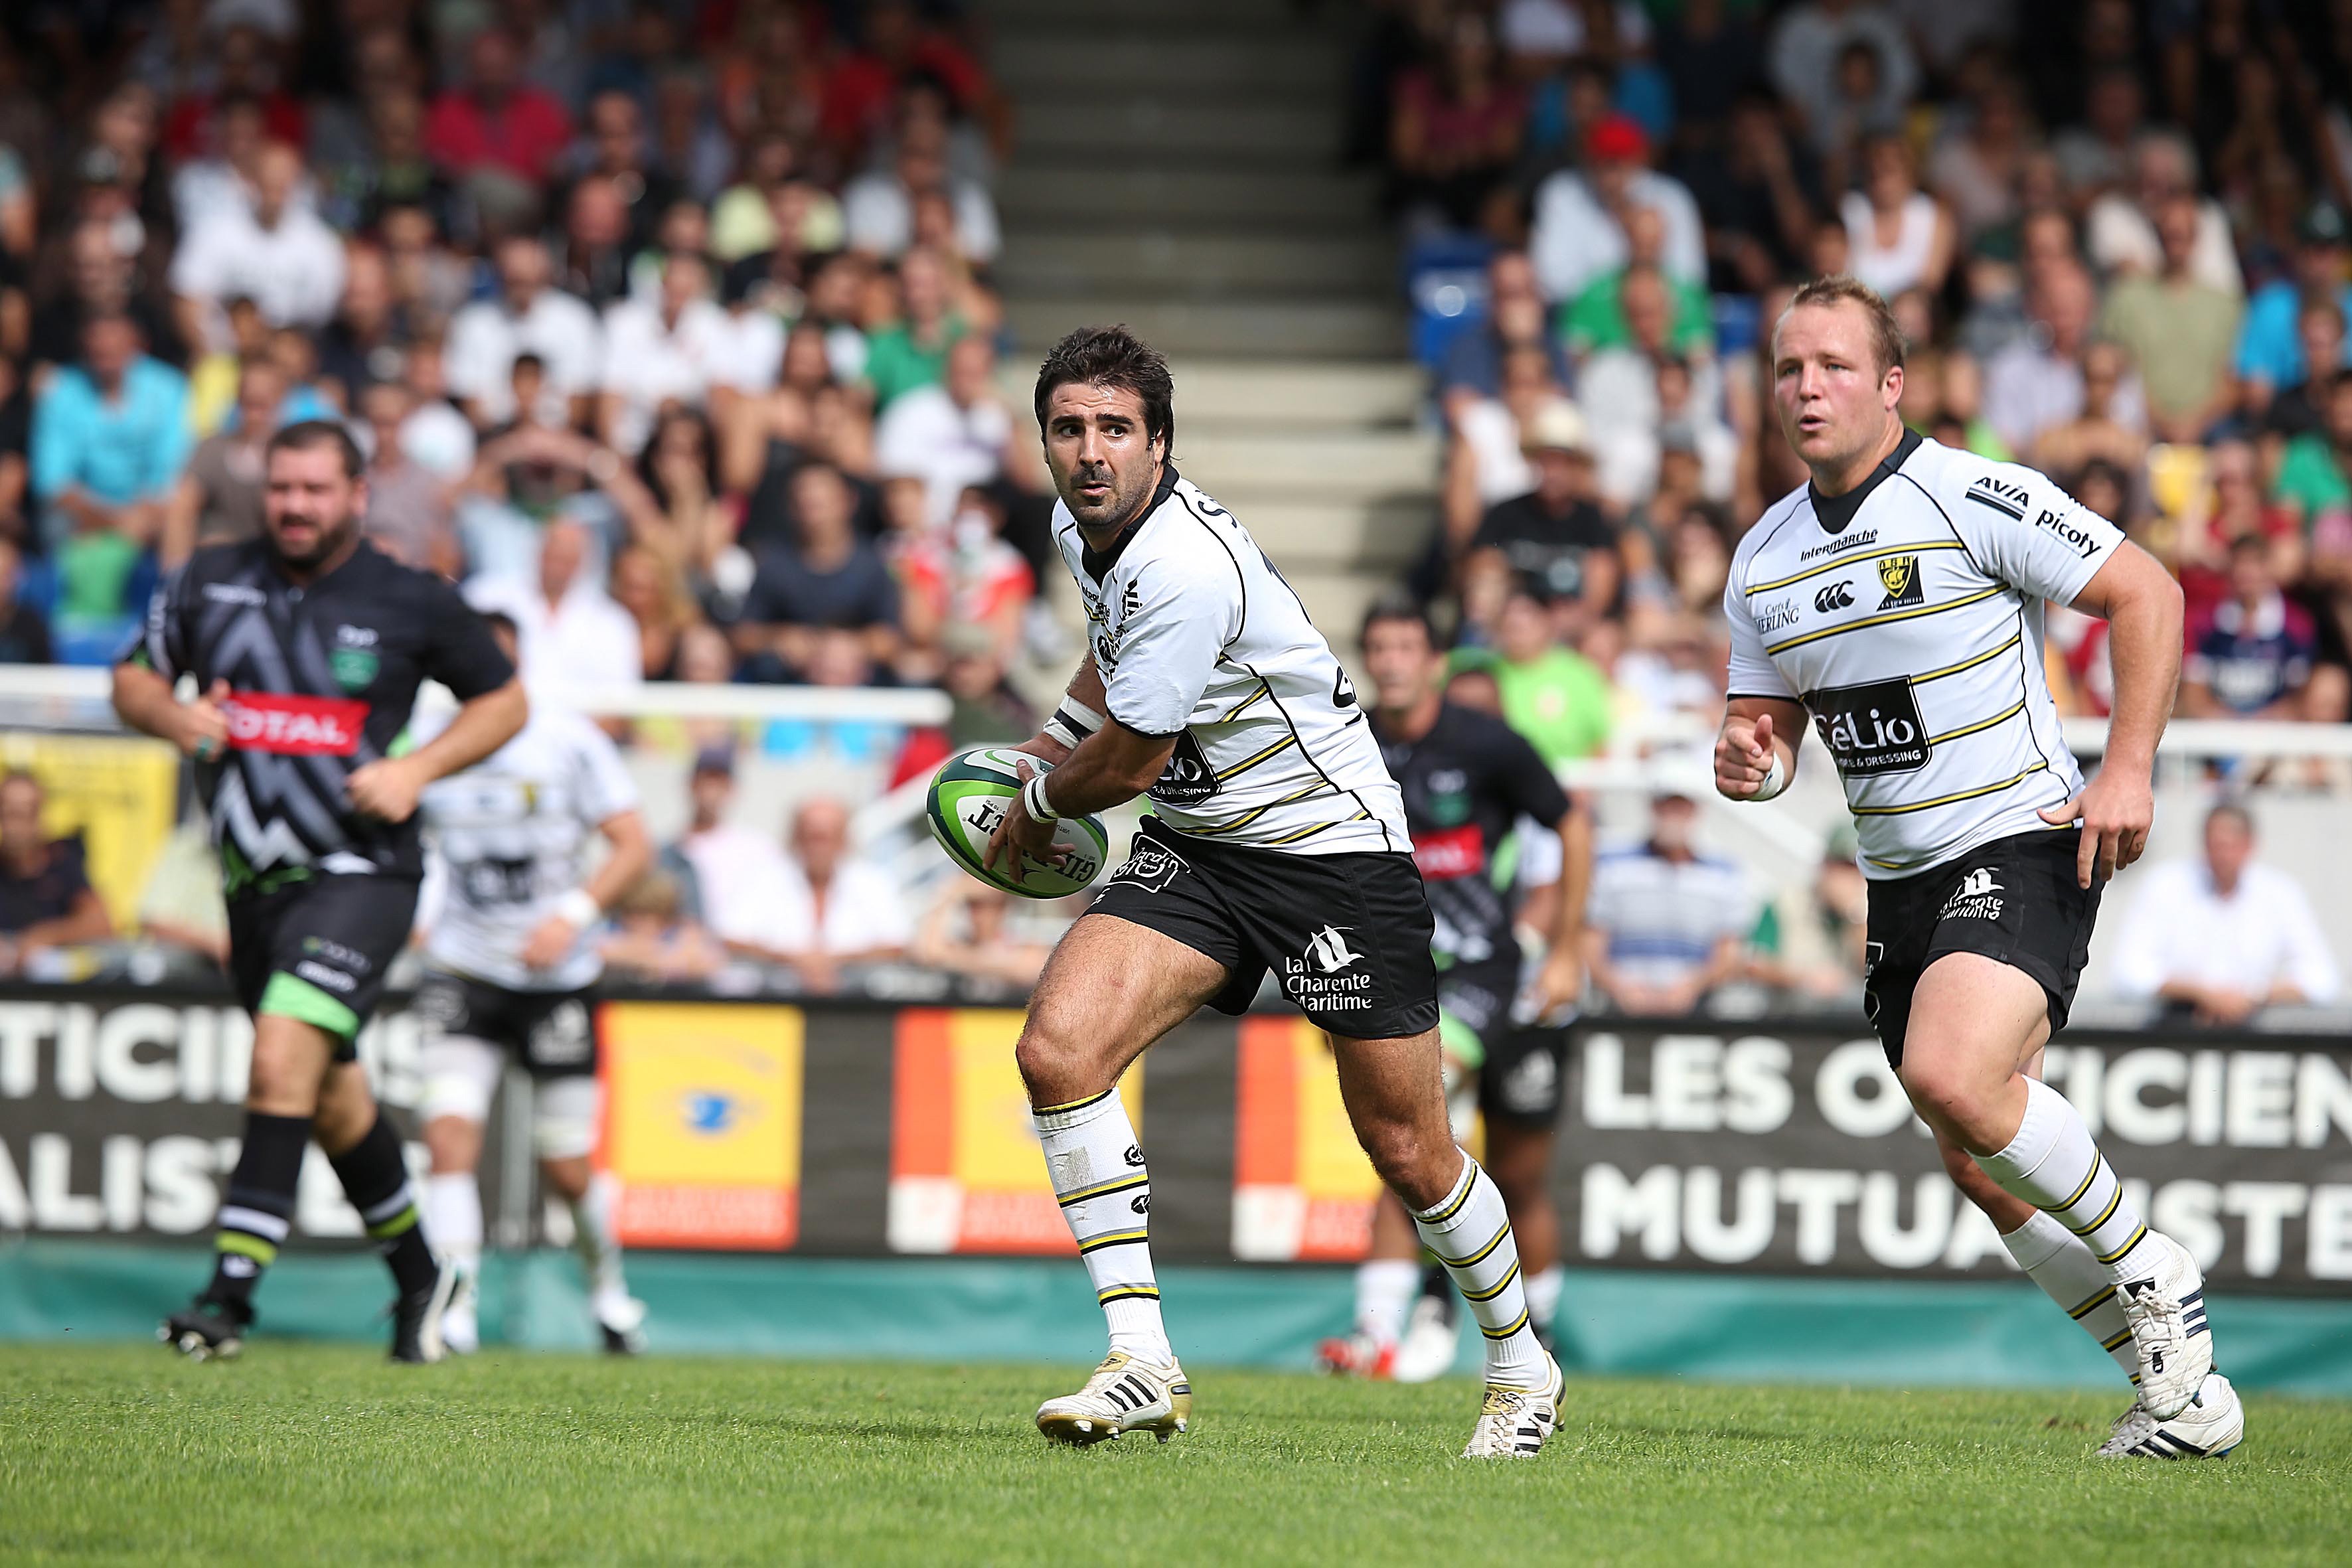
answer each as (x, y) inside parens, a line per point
(1103, 465)
(1400, 664)
(308, 504)
(1831, 399)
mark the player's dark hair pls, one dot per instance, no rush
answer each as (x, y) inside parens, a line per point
(1393, 611)
(306, 435)
(1885, 333)
(1114, 357)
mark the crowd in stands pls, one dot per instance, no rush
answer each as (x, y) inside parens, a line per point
(2114, 234)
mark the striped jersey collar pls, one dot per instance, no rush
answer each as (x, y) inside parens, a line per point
(1835, 512)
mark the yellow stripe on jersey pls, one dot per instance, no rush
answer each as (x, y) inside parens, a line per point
(1263, 691)
(1946, 799)
(1318, 827)
(1246, 818)
(1867, 621)
(1847, 559)
(2001, 717)
(1972, 663)
(1246, 763)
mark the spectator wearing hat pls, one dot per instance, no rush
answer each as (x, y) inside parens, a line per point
(2270, 354)
(2215, 939)
(1578, 233)
(1666, 924)
(1555, 533)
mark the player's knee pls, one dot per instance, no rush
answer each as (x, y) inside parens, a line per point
(563, 1119)
(1406, 1156)
(1945, 1091)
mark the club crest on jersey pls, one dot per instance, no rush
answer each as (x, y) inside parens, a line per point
(354, 660)
(1978, 898)
(1899, 575)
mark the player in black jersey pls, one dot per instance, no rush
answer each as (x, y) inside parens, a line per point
(1467, 779)
(307, 646)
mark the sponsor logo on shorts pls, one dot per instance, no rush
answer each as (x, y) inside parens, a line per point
(1838, 595)
(1771, 618)
(1325, 977)
(1899, 575)
(1140, 1203)
(1134, 1155)
(319, 974)
(561, 1038)
(337, 954)
(1978, 898)
(1529, 1087)
(1149, 867)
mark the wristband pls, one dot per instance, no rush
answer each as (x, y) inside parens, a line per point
(1057, 728)
(579, 909)
(1775, 781)
(1073, 722)
(1032, 796)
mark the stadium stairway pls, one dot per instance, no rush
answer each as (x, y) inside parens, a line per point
(1177, 168)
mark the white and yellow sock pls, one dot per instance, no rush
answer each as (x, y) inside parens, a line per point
(1470, 1231)
(2054, 1258)
(1098, 1175)
(2052, 1164)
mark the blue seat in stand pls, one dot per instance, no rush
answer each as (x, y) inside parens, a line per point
(1445, 281)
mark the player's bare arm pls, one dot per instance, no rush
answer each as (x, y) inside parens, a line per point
(1561, 979)
(1110, 767)
(2142, 607)
(1758, 734)
(144, 701)
(1079, 715)
(388, 789)
(631, 851)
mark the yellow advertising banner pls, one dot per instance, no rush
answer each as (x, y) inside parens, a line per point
(116, 791)
(702, 1122)
(966, 1173)
(1303, 1189)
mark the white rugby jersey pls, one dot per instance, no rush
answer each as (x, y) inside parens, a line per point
(508, 837)
(1906, 617)
(1196, 635)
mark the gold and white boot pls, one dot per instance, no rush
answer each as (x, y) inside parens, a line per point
(1125, 1394)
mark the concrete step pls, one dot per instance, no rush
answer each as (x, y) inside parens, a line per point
(1329, 466)
(1213, 393)
(1039, 67)
(1160, 125)
(1176, 262)
(1379, 533)
(1050, 191)
(1293, 328)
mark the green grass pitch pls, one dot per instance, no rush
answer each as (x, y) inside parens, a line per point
(307, 1453)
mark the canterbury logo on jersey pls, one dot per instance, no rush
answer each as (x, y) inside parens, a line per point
(292, 726)
(1450, 852)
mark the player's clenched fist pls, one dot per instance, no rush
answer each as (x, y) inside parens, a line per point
(385, 790)
(1744, 756)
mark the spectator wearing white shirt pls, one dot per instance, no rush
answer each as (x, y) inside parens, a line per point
(734, 867)
(574, 638)
(1624, 393)
(678, 348)
(828, 908)
(2120, 231)
(950, 436)
(877, 208)
(2220, 938)
(1580, 217)
(529, 316)
(1666, 924)
(278, 253)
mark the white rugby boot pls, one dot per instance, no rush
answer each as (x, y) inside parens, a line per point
(2214, 1423)
(461, 1329)
(2166, 1313)
(621, 1321)
(1513, 1422)
(1123, 1396)
(1433, 1335)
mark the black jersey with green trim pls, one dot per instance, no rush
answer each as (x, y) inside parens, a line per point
(1467, 783)
(1906, 617)
(323, 678)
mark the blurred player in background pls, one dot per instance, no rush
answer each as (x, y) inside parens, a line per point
(509, 968)
(307, 646)
(1895, 601)
(1469, 780)
(1278, 844)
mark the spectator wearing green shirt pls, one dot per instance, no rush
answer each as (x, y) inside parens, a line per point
(913, 351)
(1557, 698)
(2315, 475)
(2182, 333)
(1595, 318)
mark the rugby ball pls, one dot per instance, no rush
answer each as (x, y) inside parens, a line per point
(969, 797)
